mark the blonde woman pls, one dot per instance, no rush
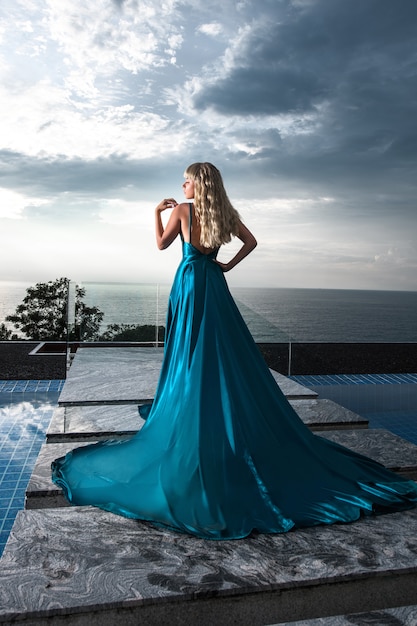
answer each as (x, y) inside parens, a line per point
(222, 453)
(212, 222)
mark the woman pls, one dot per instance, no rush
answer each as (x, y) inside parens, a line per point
(222, 453)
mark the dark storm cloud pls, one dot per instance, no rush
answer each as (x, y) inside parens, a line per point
(296, 59)
(345, 74)
(49, 177)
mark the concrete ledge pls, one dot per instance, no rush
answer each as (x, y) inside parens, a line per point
(91, 567)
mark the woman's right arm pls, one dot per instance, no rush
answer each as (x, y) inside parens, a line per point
(165, 236)
(249, 244)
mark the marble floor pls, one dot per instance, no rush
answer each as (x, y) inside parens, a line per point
(82, 560)
(101, 421)
(81, 565)
(130, 375)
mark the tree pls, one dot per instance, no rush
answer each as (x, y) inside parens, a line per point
(132, 332)
(43, 314)
(6, 334)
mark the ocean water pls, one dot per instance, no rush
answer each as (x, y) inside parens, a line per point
(273, 315)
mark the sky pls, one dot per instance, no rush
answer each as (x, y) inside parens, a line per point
(307, 107)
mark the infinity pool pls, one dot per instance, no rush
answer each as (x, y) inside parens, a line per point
(24, 419)
(387, 400)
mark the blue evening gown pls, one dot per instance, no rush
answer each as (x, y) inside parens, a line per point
(222, 452)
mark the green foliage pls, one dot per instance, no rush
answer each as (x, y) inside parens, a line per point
(42, 315)
(132, 332)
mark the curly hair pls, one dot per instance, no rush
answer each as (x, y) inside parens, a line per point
(218, 219)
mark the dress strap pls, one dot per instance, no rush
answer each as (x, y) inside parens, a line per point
(191, 217)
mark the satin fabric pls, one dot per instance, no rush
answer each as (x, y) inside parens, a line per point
(222, 453)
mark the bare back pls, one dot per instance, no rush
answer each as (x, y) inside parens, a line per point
(191, 231)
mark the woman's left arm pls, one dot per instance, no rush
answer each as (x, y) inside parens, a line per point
(249, 244)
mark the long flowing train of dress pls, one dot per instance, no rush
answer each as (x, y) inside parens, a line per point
(222, 452)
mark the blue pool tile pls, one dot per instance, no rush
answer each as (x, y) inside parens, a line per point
(355, 379)
(12, 511)
(12, 474)
(7, 493)
(25, 415)
(7, 524)
(7, 484)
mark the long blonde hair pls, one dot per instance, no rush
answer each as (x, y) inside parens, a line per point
(218, 219)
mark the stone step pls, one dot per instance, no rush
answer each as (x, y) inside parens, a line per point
(130, 375)
(400, 616)
(101, 421)
(390, 450)
(321, 414)
(81, 565)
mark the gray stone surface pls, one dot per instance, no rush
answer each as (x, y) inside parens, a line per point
(398, 454)
(381, 445)
(100, 421)
(322, 414)
(130, 375)
(93, 566)
(291, 389)
(401, 616)
(41, 492)
(108, 375)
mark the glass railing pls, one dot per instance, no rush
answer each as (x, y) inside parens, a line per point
(135, 314)
(137, 307)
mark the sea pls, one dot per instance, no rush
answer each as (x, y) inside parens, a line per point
(273, 315)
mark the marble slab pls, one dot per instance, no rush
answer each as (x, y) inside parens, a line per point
(112, 375)
(381, 445)
(41, 492)
(400, 616)
(323, 414)
(128, 374)
(291, 389)
(398, 454)
(101, 421)
(97, 568)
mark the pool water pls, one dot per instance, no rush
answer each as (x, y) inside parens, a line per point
(388, 401)
(24, 419)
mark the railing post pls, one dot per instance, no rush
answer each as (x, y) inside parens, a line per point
(157, 317)
(71, 298)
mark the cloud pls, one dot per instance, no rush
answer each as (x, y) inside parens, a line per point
(107, 36)
(212, 30)
(335, 73)
(13, 204)
(54, 125)
(306, 106)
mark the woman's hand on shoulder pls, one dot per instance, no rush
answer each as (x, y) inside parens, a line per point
(166, 203)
